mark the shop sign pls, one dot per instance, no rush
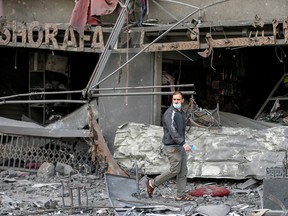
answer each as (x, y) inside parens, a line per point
(35, 35)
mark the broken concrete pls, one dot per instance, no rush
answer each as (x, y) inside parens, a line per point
(47, 170)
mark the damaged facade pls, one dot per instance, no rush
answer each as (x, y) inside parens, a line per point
(66, 64)
(224, 54)
(59, 56)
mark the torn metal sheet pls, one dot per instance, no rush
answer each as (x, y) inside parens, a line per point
(226, 152)
(77, 119)
(12, 122)
(9, 126)
(121, 188)
(44, 132)
(123, 196)
(236, 121)
(102, 148)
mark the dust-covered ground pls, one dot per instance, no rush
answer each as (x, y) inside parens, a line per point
(24, 193)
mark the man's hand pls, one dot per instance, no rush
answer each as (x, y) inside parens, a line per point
(187, 148)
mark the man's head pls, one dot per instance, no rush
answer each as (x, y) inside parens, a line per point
(177, 99)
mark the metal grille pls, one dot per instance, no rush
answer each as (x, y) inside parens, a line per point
(29, 152)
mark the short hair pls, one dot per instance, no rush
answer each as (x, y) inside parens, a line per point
(178, 92)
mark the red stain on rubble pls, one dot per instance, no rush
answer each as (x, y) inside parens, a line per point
(211, 191)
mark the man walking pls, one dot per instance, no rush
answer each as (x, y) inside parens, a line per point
(175, 148)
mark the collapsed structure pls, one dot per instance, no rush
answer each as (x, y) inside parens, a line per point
(87, 67)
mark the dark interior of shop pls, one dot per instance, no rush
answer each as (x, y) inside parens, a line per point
(238, 80)
(18, 78)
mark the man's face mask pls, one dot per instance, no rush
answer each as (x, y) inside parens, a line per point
(177, 106)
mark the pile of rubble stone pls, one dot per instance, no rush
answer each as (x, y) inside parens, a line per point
(59, 189)
(51, 191)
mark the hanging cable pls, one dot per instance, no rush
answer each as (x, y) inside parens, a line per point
(127, 59)
(212, 54)
(282, 54)
(185, 55)
(211, 62)
(180, 70)
(15, 63)
(91, 85)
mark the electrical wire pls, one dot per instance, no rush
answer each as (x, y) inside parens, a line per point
(91, 87)
(180, 71)
(185, 55)
(282, 54)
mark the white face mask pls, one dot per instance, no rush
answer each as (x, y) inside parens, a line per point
(177, 106)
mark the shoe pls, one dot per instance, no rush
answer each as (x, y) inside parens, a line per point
(150, 189)
(183, 198)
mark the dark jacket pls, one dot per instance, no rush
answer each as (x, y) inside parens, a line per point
(174, 125)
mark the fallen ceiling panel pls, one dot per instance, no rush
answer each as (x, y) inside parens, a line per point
(224, 152)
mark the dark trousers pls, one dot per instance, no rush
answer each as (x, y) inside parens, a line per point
(178, 168)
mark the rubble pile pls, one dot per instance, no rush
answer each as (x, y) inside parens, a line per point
(24, 193)
(59, 189)
(244, 196)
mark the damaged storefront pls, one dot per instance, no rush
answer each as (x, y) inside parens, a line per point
(63, 61)
(76, 75)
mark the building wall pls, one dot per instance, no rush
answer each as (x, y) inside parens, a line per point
(209, 13)
(165, 11)
(53, 11)
(117, 110)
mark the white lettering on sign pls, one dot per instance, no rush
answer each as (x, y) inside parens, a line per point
(46, 35)
(35, 34)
